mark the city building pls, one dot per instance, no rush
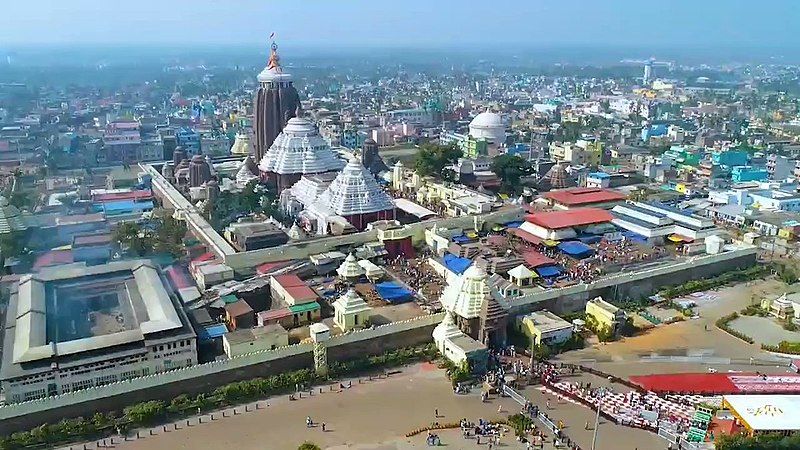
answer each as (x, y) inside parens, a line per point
(779, 167)
(417, 116)
(743, 174)
(579, 153)
(247, 236)
(655, 221)
(276, 101)
(544, 327)
(75, 327)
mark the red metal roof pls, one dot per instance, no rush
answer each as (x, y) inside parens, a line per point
(572, 218)
(270, 266)
(524, 235)
(53, 258)
(295, 287)
(178, 277)
(274, 314)
(584, 196)
(534, 259)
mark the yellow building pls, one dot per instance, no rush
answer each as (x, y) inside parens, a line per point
(605, 314)
(544, 327)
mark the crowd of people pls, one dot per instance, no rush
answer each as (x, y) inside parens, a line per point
(419, 276)
(607, 255)
(631, 408)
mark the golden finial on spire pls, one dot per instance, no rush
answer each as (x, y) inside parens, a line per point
(274, 60)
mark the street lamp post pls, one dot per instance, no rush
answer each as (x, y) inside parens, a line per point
(601, 393)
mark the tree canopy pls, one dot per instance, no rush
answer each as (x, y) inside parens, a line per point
(758, 442)
(254, 199)
(510, 169)
(433, 158)
(158, 235)
(308, 446)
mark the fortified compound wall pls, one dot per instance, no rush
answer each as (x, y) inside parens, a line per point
(204, 378)
(642, 282)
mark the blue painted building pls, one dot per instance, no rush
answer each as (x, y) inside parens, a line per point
(730, 158)
(742, 174)
(189, 140)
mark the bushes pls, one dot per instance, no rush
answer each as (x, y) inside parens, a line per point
(147, 413)
(790, 348)
(308, 446)
(736, 276)
(754, 310)
(722, 323)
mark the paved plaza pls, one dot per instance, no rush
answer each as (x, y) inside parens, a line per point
(376, 415)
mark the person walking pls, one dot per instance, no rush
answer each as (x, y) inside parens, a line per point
(323, 426)
(436, 413)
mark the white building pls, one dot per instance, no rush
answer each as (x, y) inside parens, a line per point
(75, 327)
(656, 221)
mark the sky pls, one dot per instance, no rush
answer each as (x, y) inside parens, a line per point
(404, 23)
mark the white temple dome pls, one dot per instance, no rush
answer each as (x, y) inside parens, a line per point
(488, 125)
(354, 191)
(299, 149)
(465, 295)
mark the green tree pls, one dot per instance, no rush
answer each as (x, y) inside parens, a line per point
(510, 169)
(432, 158)
(540, 352)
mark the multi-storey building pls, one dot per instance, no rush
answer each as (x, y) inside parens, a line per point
(74, 328)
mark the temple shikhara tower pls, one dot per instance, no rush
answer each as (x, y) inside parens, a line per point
(275, 102)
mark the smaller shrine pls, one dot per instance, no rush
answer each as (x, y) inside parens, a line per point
(350, 311)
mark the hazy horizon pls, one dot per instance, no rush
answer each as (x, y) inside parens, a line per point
(722, 24)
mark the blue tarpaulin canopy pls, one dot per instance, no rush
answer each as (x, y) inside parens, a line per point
(576, 249)
(455, 264)
(548, 271)
(393, 292)
(590, 239)
(515, 224)
(461, 239)
(635, 237)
